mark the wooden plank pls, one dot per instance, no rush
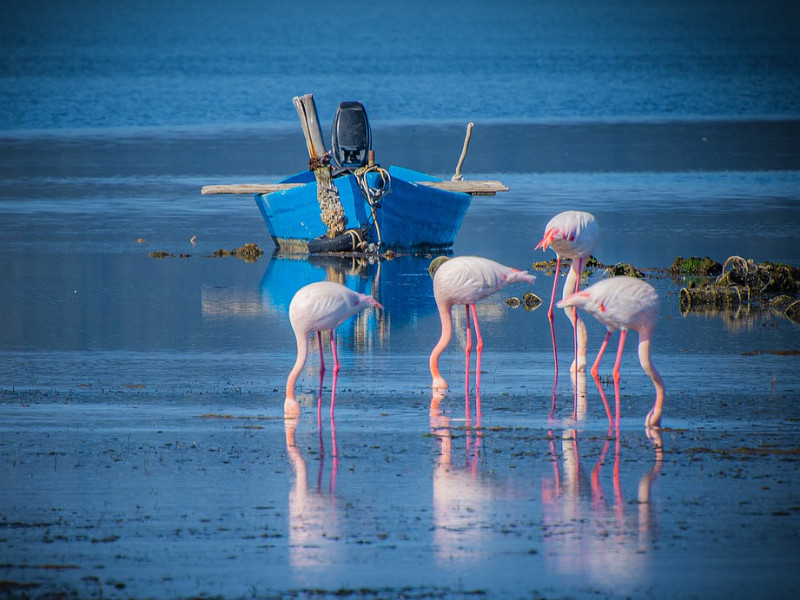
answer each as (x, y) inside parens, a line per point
(249, 188)
(475, 187)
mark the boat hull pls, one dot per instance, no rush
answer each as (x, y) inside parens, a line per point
(411, 217)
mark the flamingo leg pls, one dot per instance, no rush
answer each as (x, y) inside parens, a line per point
(321, 356)
(596, 375)
(468, 351)
(478, 349)
(319, 399)
(552, 322)
(622, 335)
(333, 392)
(336, 365)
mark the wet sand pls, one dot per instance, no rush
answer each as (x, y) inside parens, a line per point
(144, 453)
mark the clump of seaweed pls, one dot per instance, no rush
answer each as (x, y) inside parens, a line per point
(549, 266)
(531, 301)
(247, 252)
(625, 269)
(694, 265)
(745, 282)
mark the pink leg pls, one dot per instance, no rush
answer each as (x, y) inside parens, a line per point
(596, 375)
(319, 399)
(333, 392)
(552, 321)
(468, 351)
(336, 365)
(478, 350)
(622, 335)
(321, 356)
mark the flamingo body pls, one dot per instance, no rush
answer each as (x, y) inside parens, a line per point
(317, 307)
(465, 280)
(624, 303)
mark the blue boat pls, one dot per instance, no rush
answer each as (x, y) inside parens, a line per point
(411, 216)
(383, 208)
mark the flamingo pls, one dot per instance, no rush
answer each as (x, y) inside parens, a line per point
(624, 303)
(465, 280)
(319, 306)
(572, 234)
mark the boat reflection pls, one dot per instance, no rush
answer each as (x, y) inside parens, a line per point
(314, 517)
(589, 532)
(401, 284)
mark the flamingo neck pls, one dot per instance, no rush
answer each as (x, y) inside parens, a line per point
(654, 416)
(447, 332)
(290, 406)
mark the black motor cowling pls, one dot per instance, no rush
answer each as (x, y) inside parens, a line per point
(351, 136)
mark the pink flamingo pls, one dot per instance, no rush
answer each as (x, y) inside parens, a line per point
(317, 307)
(572, 234)
(624, 303)
(465, 280)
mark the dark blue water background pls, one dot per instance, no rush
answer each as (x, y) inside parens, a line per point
(90, 64)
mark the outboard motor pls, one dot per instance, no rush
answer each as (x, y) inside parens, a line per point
(351, 136)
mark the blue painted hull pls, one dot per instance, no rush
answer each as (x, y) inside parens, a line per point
(411, 217)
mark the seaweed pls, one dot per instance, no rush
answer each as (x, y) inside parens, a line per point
(247, 252)
(744, 282)
(694, 265)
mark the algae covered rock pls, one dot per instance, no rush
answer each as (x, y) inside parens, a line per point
(694, 265)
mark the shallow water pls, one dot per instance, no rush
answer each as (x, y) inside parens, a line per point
(145, 454)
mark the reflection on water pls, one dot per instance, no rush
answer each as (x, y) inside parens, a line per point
(314, 517)
(589, 531)
(221, 303)
(463, 498)
(402, 285)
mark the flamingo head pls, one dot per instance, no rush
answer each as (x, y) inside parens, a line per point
(291, 409)
(548, 238)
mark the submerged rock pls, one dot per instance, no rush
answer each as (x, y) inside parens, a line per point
(248, 252)
(531, 301)
(694, 265)
(745, 282)
(625, 269)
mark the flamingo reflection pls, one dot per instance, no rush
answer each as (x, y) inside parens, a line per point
(462, 498)
(586, 530)
(313, 513)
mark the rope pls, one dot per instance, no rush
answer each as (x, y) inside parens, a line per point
(374, 195)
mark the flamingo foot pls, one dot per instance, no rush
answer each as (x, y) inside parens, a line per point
(291, 409)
